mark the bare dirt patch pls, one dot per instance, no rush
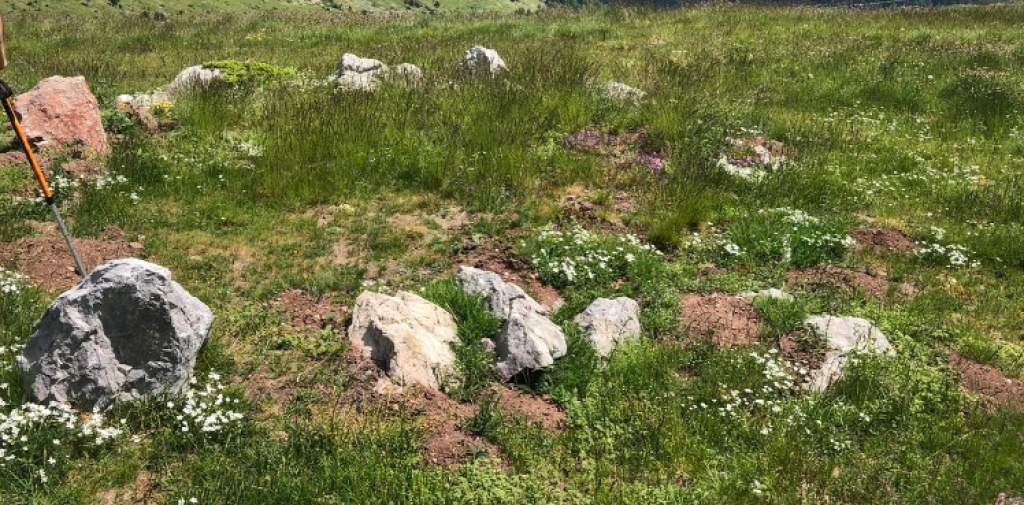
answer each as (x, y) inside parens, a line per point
(48, 263)
(490, 255)
(581, 206)
(889, 240)
(312, 313)
(537, 410)
(141, 492)
(988, 382)
(872, 282)
(727, 320)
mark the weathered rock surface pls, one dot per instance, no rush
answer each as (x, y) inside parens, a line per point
(359, 74)
(773, 293)
(127, 331)
(481, 60)
(623, 92)
(192, 77)
(408, 74)
(62, 111)
(406, 336)
(528, 339)
(843, 336)
(609, 322)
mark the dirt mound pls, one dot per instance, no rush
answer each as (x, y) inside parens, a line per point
(309, 313)
(539, 411)
(989, 382)
(500, 259)
(48, 263)
(888, 240)
(727, 320)
(874, 283)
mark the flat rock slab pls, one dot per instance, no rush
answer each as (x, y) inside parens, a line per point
(127, 331)
(406, 336)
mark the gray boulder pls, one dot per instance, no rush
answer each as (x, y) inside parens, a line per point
(127, 331)
(359, 74)
(192, 77)
(843, 336)
(406, 336)
(480, 60)
(609, 322)
(623, 92)
(528, 339)
(407, 73)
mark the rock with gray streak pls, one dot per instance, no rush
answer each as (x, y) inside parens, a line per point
(843, 336)
(528, 340)
(193, 77)
(406, 336)
(481, 60)
(359, 74)
(623, 92)
(609, 322)
(127, 331)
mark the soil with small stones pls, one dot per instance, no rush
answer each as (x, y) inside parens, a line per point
(47, 261)
(889, 240)
(141, 492)
(536, 410)
(605, 143)
(988, 382)
(500, 260)
(579, 208)
(312, 314)
(799, 348)
(873, 283)
(726, 320)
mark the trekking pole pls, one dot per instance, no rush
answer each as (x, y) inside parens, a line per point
(5, 96)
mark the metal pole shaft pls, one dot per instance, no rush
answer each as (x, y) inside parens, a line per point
(67, 239)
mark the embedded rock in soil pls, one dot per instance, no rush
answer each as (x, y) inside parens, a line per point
(773, 293)
(127, 331)
(609, 322)
(623, 92)
(528, 339)
(843, 336)
(480, 59)
(358, 74)
(191, 77)
(406, 336)
(62, 111)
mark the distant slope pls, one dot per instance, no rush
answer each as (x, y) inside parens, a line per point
(160, 8)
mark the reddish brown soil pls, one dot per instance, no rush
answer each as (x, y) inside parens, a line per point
(727, 320)
(874, 283)
(606, 144)
(537, 410)
(889, 240)
(988, 382)
(309, 313)
(48, 263)
(18, 158)
(500, 259)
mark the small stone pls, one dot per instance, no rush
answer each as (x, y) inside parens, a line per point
(609, 322)
(773, 293)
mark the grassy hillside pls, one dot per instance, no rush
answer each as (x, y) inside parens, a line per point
(170, 8)
(278, 202)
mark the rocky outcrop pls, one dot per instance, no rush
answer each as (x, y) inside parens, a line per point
(609, 322)
(127, 331)
(843, 336)
(481, 60)
(406, 336)
(61, 112)
(528, 340)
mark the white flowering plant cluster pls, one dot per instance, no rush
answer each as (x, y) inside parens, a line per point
(785, 235)
(579, 257)
(934, 251)
(749, 155)
(37, 441)
(205, 408)
(12, 283)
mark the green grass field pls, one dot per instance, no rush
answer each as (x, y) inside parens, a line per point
(908, 121)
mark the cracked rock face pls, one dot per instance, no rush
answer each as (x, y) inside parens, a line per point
(127, 331)
(609, 322)
(528, 340)
(406, 336)
(844, 336)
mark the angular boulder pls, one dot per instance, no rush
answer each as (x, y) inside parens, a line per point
(843, 336)
(609, 322)
(406, 336)
(62, 111)
(528, 340)
(481, 60)
(358, 74)
(192, 77)
(127, 331)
